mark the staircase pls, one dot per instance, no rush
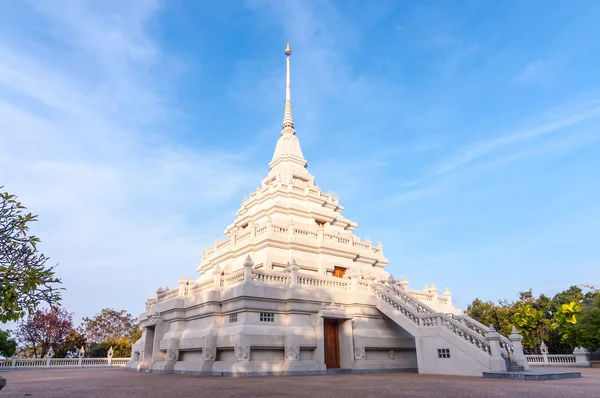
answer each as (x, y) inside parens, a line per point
(446, 343)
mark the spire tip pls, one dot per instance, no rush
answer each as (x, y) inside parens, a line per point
(288, 49)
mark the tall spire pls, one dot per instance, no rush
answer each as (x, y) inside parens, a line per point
(288, 164)
(288, 121)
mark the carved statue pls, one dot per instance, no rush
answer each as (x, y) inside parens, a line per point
(172, 355)
(359, 352)
(241, 353)
(291, 353)
(208, 354)
(109, 354)
(392, 354)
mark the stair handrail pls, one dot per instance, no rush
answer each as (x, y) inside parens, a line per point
(414, 302)
(429, 318)
(480, 328)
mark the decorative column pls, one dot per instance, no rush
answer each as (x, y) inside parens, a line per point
(80, 354)
(434, 290)
(182, 286)
(248, 264)
(544, 350)
(109, 355)
(269, 226)
(252, 229)
(159, 291)
(292, 348)
(49, 356)
(448, 295)
(582, 357)
(357, 341)
(497, 363)
(217, 277)
(354, 276)
(404, 283)
(293, 268)
(516, 339)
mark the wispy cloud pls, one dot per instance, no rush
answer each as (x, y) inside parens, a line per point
(534, 71)
(82, 145)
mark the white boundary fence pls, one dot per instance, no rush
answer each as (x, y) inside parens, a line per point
(579, 358)
(37, 363)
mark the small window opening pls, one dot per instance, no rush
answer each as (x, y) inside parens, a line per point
(443, 353)
(233, 318)
(267, 317)
(339, 272)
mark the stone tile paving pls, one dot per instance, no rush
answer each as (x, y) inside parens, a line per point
(122, 383)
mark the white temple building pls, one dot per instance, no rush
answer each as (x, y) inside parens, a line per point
(292, 290)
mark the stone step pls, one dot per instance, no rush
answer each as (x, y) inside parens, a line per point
(532, 375)
(514, 368)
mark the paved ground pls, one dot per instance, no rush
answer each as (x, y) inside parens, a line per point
(121, 383)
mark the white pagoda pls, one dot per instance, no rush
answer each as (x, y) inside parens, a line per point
(292, 290)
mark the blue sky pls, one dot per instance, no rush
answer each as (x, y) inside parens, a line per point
(463, 135)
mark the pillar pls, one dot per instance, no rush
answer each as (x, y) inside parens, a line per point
(516, 339)
(293, 268)
(248, 264)
(217, 277)
(582, 357)
(182, 286)
(497, 363)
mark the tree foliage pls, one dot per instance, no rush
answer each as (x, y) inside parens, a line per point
(569, 319)
(49, 328)
(110, 328)
(8, 346)
(109, 324)
(25, 279)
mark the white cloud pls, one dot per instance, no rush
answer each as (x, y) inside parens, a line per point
(122, 209)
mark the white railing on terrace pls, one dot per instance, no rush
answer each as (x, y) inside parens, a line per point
(322, 281)
(270, 277)
(235, 278)
(30, 363)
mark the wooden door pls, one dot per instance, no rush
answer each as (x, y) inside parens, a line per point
(332, 343)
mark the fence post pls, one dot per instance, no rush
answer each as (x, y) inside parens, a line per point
(80, 355)
(582, 357)
(49, 356)
(109, 355)
(14, 361)
(544, 350)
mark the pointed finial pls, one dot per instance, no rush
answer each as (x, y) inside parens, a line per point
(288, 121)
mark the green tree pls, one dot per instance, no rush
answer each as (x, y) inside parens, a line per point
(565, 318)
(8, 346)
(47, 328)
(532, 324)
(489, 313)
(110, 328)
(25, 279)
(586, 332)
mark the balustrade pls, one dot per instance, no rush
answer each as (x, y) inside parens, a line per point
(425, 317)
(28, 363)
